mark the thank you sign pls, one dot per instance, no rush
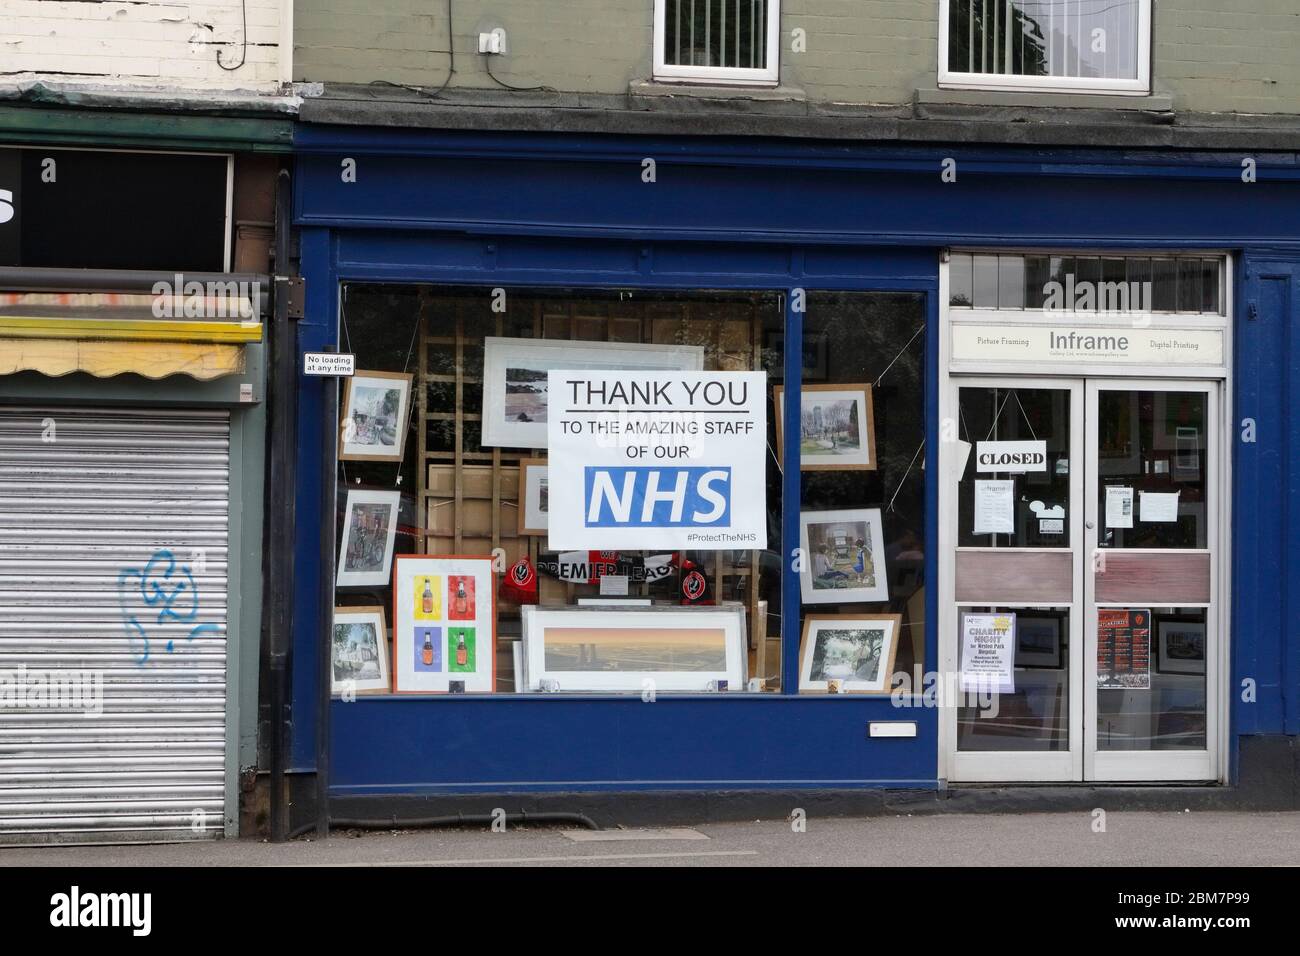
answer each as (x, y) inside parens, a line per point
(643, 460)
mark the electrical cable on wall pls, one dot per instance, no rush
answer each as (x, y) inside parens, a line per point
(517, 89)
(451, 66)
(243, 50)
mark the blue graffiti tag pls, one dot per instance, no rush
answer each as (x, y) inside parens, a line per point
(163, 584)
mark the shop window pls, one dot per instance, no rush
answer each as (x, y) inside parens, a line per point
(717, 41)
(1048, 45)
(450, 493)
(862, 505)
(1183, 284)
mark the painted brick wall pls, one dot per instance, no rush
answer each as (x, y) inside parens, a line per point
(1212, 55)
(154, 43)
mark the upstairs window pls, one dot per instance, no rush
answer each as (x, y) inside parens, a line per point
(1065, 46)
(717, 41)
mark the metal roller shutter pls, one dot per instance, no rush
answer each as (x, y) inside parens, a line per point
(113, 568)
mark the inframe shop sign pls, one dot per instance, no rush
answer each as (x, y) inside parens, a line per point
(1202, 348)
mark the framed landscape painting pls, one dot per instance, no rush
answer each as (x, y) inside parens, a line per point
(854, 652)
(515, 379)
(836, 428)
(617, 649)
(359, 651)
(376, 407)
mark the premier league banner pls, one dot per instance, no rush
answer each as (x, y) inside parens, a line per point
(648, 460)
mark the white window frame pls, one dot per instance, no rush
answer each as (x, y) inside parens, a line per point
(719, 75)
(1141, 86)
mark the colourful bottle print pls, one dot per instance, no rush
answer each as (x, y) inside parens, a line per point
(426, 652)
(462, 599)
(426, 600)
(462, 652)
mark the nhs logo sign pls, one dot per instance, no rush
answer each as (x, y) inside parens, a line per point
(657, 497)
(648, 458)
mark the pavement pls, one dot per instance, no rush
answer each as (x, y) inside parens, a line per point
(1070, 839)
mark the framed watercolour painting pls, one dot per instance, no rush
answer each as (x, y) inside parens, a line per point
(617, 649)
(844, 557)
(836, 428)
(515, 379)
(534, 496)
(376, 408)
(359, 651)
(444, 624)
(851, 653)
(369, 530)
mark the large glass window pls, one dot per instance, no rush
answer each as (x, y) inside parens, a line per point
(1067, 45)
(447, 581)
(862, 507)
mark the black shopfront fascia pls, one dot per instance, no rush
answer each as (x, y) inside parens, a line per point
(101, 209)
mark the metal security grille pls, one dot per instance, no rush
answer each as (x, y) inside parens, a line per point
(113, 577)
(716, 33)
(1064, 38)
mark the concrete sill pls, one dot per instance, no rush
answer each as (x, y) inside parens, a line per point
(651, 89)
(1153, 103)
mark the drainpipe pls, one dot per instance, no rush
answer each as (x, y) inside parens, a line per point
(277, 610)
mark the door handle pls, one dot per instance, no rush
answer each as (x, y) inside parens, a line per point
(1090, 525)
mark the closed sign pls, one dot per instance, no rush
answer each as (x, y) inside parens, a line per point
(1011, 456)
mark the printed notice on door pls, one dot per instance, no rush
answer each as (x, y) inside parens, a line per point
(988, 653)
(1123, 649)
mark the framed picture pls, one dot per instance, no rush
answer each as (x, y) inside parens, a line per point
(616, 649)
(844, 557)
(534, 494)
(1038, 641)
(1176, 415)
(816, 355)
(1187, 453)
(836, 431)
(369, 530)
(1119, 449)
(514, 379)
(856, 651)
(376, 406)
(359, 651)
(444, 624)
(1182, 647)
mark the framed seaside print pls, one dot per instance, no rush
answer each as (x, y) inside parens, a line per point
(376, 406)
(444, 624)
(844, 555)
(848, 653)
(359, 651)
(515, 373)
(617, 648)
(837, 429)
(369, 530)
(1182, 647)
(534, 496)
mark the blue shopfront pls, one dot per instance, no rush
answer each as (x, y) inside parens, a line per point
(1124, 318)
